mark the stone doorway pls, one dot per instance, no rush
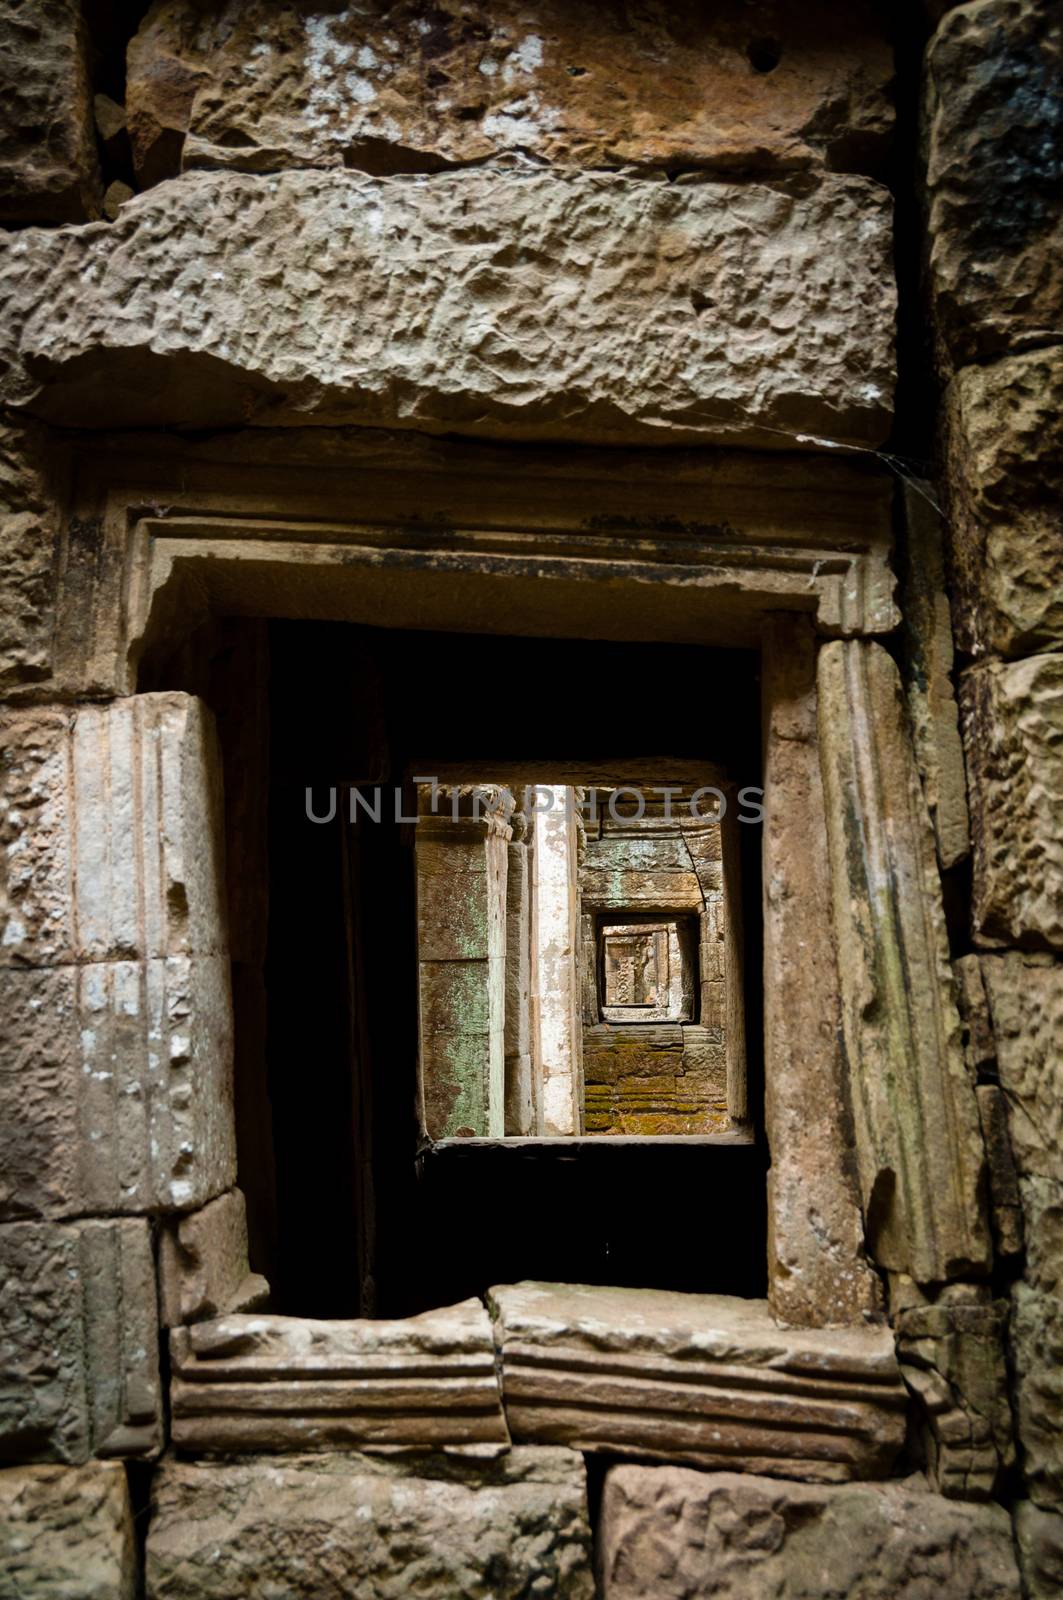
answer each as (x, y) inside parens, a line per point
(325, 977)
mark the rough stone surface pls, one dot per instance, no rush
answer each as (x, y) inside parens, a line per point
(1013, 736)
(290, 1383)
(1025, 996)
(929, 659)
(66, 1533)
(274, 87)
(381, 1528)
(111, 832)
(78, 1341)
(1037, 1360)
(680, 1535)
(818, 1271)
(1039, 1539)
(952, 1358)
(1042, 1202)
(203, 1268)
(29, 519)
(482, 301)
(918, 1138)
(116, 1086)
(702, 1379)
(48, 170)
(995, 176)
(1004, 445)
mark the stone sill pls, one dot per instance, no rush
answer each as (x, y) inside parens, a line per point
(577, 1144)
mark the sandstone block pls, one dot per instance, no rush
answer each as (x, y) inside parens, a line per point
(1025, 996)
(563, 86)
(29, 527)
(702, 1379)
(576, 306)
(78, 1341)
(116, 1087)
(289, 1383)
(919, 1144)
(203, 1268)
(1039, 1540)
(1013, 736)
(111, 832)
(928, 674)
(819, 1273)
(1037, 1360)
(1004, 444)
(952, 1358)
(995, 147)
(379, 1527)
(1042, 1204)
(680, 1535)
(48, 170)
(66, 1533)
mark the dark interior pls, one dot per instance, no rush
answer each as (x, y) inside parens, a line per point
(347, 1217)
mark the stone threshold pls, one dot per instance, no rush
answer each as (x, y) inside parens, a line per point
(576, 1144)
(704, 1380)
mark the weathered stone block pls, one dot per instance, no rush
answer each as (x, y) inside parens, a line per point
(29, 526)
(289, 1383)
(818, 1270)
(116, 1087)
(994, 158)
(111, 827)
(203, 1268)
(78, 1341)
(1013, 736)
(1039, 1539)
(680, 1535)
(702, 1379)
(952, 1358)
(48, 170)
(578, 307)
(1026, 1004)
(1037, 1359)
(1004, 1196)
(1042, 1204)
(919, 1143)
(561, 86)
(66, 1533)
(929, 659)
(1004, 442)
(383, 1528)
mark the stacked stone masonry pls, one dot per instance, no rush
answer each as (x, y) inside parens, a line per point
(307, 240)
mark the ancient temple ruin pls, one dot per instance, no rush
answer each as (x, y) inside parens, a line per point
(531, 761)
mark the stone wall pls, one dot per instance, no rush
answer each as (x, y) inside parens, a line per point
(993, 138)
(317, 234)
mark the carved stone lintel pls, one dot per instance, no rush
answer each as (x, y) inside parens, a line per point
(919, 1144)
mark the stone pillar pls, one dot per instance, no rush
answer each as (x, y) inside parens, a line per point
(116, 1062)
(523, 1091)
(818, 1272)
(461, 855)
(555, 984)
(919, 1148)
